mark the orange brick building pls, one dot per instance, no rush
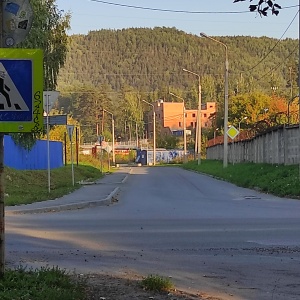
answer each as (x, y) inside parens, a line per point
(169, 117)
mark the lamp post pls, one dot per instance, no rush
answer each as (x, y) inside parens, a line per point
(245, 118)
(113, 135)
(225, 158)
(154, 132)
(215, 132)
(199, 124)
(184, 127)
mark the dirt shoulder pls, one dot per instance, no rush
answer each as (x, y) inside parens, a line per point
(107, 287)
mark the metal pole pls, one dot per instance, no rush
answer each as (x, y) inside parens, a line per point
(113, 134)
(137, 135)
(113, 141)
(2, 210)
(299, 82)
(225, 158)
(154, 137)
(101, 158)
(225, 161)
(72, 164)
(184, 127)
(48, 145)
(199, 123)
(154, 132)
(184, 135)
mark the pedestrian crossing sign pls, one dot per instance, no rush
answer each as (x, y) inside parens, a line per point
(21, 90)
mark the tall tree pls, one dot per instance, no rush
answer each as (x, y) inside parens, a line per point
(49, 33)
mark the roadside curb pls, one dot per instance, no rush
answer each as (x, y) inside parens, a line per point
(72, 206)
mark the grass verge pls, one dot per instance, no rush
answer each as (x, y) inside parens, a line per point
(24, 187)
(45, 283)
(279, 180)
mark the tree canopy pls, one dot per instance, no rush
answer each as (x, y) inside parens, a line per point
(49, 33)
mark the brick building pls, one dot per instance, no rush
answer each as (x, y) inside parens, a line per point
(169, 117)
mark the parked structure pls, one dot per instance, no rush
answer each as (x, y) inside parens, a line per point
(169, 117)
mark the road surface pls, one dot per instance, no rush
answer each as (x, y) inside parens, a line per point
(207, 235)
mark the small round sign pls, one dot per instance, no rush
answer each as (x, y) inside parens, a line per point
(9, 41)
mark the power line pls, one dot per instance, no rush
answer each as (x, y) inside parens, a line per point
(275, 68)
(274, 45)
(178, 11)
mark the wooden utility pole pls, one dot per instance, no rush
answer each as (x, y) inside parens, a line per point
(2, 222)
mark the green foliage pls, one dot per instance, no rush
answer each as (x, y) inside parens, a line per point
(49, 33)
(167, 142)
(278, 180)
(150, 61)
(156, 283)
(44, 283)
(24, 187)
(25, 140)
(117, 69)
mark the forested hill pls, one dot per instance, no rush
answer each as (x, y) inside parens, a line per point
(152, 60)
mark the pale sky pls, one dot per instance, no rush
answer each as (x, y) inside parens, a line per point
(217, 17)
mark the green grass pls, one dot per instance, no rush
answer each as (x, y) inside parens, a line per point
(279, 180)
(28, 186)
(156, 283)
(44, 283)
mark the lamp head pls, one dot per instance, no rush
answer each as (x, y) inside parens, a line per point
(203, 34)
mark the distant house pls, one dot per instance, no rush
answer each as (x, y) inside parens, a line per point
(169, 117)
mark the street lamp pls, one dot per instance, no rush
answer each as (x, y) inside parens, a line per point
(199, 124)
(215, 132)
(113, 135)
(245, 118)
(184, 127)
(154, 132)
(225, 159)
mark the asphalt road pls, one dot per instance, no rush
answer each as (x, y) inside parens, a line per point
(206, 234)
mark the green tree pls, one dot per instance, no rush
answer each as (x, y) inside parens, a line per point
(49, 33)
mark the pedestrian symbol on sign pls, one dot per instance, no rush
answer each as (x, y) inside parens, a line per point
(10, 98)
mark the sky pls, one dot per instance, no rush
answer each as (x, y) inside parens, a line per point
(213, 17)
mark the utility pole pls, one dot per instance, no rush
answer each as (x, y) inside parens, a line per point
(2, 222)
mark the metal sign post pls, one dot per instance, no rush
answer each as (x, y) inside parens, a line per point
(50, 97)
(100, 140)
(232, 132)
(15, 22)
(70, 129)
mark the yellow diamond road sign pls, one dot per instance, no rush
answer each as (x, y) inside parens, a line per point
(232, 132)
(21, 90)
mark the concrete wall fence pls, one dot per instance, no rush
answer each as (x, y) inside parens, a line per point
(36, 159)
(275, 146)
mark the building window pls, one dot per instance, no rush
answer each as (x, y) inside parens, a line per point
(205, 115)
(192, 124)
(193, 115)
(179, 124)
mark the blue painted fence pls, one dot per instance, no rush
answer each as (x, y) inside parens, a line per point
(36, 159)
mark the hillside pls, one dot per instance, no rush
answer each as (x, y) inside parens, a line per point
(116, 69)
(152, 59)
